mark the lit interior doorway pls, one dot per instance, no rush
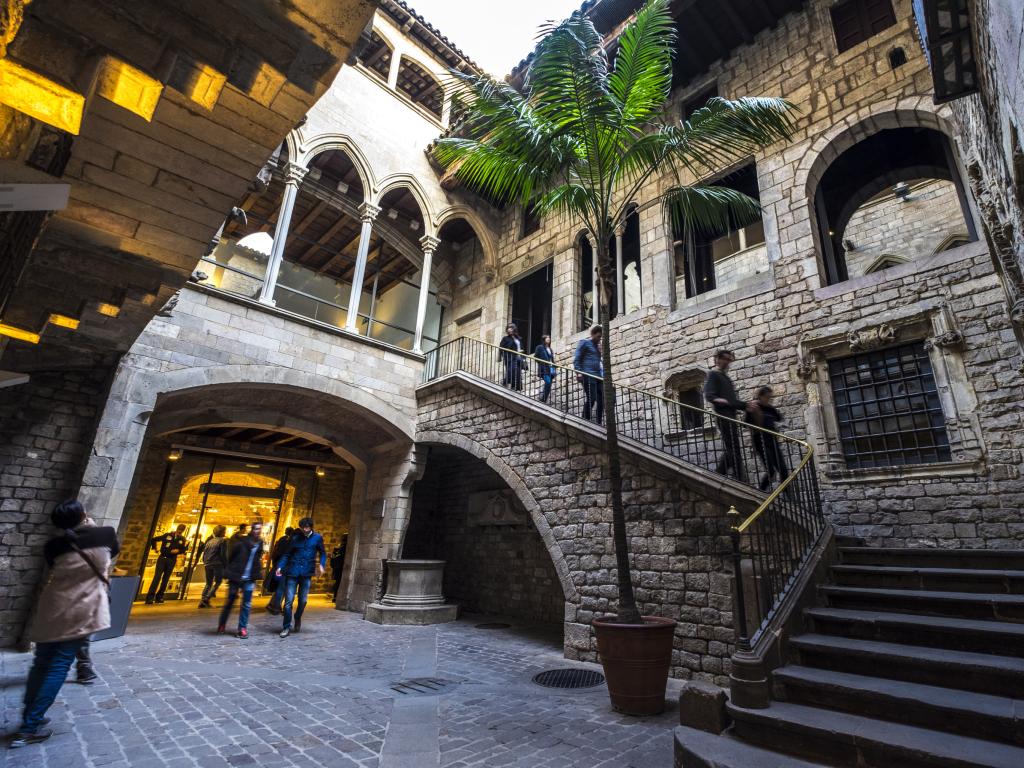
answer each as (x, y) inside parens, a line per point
(531, 306)
(202, 491)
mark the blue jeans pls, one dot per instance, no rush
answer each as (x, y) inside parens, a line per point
(275, 600)
(302, 584)
(49, 669)
(547, 378)
(234, 587)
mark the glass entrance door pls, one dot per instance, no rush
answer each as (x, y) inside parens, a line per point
(203, 491)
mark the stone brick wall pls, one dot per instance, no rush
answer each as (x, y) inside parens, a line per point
(777, 324)
(491, 568)
(678, 538)
(46, 429)
(917, 227)
(990, 136)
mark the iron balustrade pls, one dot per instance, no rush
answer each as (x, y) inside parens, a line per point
(769, 547)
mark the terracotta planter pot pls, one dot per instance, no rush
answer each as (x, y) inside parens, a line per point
(636, 659)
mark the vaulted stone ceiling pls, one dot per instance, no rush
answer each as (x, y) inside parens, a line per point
(180, 106)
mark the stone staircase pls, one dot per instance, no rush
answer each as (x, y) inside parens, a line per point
(914, 658)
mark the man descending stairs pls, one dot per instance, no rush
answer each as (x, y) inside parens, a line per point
(914, 659)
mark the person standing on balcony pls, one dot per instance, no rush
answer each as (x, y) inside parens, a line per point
(720, 392)
(172, 545)
(305, 554)
(546, 371)
(512, 358)
(763, 413)
(590, 373)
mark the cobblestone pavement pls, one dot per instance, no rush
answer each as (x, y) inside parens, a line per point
(172, 693)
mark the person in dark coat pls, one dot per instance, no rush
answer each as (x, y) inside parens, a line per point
(544, 356)
(720, 392)
(172, 545)
(587, 362)
(764, 414)
(243, 571)
(272, 583)
(338, 564)
(512, 358)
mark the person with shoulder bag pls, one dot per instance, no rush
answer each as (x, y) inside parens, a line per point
(74, 603)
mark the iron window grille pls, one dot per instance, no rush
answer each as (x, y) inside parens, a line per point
(888, 408)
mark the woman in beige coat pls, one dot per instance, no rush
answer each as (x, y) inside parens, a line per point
(74, 603)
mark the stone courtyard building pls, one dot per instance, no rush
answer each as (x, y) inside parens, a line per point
(305, 367)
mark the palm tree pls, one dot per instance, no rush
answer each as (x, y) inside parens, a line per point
(582, 139)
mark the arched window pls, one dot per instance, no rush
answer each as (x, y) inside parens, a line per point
(420, 86)
(897, 194)
(376, 56)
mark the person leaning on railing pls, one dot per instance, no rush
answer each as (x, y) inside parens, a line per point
(720, 392)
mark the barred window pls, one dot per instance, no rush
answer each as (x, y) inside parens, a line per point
(888, 408)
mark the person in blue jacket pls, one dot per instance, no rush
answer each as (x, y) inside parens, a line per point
(546, 372)
(306, 554)
(588, 361)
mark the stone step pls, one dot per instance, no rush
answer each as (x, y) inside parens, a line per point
(989, 559)
(995, 581)
(992, 637)
(978, 672)
(844, 739)
(698, 749)
(978, 715)
(968, 605)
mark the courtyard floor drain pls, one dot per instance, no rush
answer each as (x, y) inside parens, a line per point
(569, 678)
(423, 686)
(493, 625)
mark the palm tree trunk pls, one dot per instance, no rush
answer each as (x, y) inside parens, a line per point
(628, 613)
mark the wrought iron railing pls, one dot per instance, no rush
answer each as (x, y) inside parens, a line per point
(769, 546)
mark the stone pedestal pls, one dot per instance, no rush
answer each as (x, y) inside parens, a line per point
(414, 595)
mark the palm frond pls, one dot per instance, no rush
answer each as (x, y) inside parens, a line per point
(641, 79)
(724, 131)
(709, 208)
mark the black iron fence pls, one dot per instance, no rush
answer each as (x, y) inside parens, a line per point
(770, 545)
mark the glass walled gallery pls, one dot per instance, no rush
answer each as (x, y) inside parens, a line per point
(202, 491)
(328, 228)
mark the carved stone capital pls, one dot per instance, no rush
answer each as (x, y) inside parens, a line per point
(368, 212)
(807, 366)
(429, 243)
(490, 273)
(294, 174)
(947, 340)
(871, 338)
(1017, 312)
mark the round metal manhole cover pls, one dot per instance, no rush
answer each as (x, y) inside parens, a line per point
(493, 625)
(569, 678)
(423, 686)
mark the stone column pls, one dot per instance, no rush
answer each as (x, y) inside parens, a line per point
(293, 177)
(620, 281)
(429, 246)
(593, 280)
(367, 213)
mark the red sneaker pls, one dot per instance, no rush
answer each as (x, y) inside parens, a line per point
(221, 629)
(243, 634)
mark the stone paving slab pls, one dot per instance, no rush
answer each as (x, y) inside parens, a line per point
(173, 693)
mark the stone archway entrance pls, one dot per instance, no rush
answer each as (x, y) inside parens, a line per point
(464, 513)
